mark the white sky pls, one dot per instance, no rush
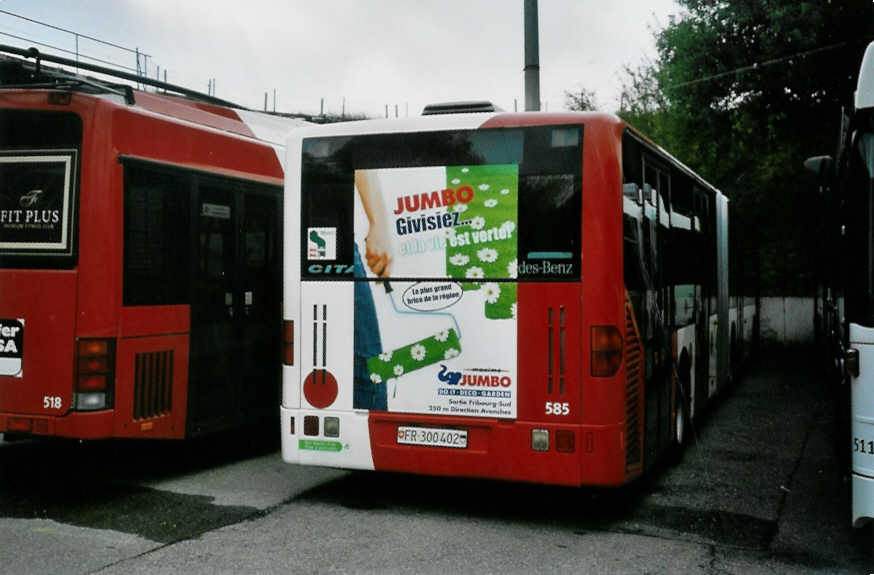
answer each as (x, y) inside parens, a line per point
(371, 52)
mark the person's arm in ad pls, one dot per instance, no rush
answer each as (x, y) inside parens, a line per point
(377, 245)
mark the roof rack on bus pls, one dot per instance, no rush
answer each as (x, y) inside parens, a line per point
(58, 77)
(468, 107)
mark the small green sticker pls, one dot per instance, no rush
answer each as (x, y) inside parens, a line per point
(319, 445)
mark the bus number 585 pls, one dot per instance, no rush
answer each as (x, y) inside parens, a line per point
(557, 408)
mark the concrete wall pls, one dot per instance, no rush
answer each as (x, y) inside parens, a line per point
(786, 320)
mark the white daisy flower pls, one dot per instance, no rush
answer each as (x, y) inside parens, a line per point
(483, 187)
(505, 192)
(513, 310)
(399, 369)
(459, 208)
(385, 356)
(417, 352)
(456, 181)
(478, 222)
(375, 378)
(465, 170)
(442, 336)
(492, 292)
(459, 260)
(512, 269)
(487, 255)
(474, 272)
(450, 353)
(490, 203)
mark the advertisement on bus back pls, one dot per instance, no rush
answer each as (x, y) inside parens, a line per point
(436, 331)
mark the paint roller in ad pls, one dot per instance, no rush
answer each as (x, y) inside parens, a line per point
(442, 346)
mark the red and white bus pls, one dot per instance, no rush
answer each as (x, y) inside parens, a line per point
(534, 297)
(140, 257)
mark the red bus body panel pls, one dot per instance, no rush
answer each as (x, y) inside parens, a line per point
(46, 301)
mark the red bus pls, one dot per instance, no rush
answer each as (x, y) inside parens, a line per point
(140, 257)
(534, 297)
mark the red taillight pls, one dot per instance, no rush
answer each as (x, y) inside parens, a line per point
(564, 441)
(606, 346)
(95, 371)
(288, 342)
(91, 383)
(93, 347)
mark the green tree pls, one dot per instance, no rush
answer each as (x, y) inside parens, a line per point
(742, 92)
(582, 100)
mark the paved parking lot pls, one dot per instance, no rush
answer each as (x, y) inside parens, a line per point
(757, 491)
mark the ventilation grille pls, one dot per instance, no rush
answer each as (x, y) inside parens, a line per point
(556, 373)
(153, 383)
(633, 392)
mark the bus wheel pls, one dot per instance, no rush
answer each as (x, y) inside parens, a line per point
(681, 419)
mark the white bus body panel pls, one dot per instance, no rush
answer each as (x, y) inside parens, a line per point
(862, 429)
(865, 87)
(352, 449)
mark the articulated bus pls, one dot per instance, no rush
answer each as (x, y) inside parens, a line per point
(140, 256)
(537, 297)
(845, 298)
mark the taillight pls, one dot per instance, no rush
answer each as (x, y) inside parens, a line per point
(606, 346)
(288, 342)
(95, 373)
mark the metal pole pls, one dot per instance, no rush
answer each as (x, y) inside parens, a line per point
(274, 99)
(532, 58)
(265, 101)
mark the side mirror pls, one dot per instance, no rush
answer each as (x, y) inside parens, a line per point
(820, 166)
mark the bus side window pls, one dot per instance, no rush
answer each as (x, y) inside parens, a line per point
(156, 237)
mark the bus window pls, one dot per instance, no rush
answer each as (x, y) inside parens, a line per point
(156, 236)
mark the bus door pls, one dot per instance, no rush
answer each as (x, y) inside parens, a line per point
(658, 357)
(234, 301)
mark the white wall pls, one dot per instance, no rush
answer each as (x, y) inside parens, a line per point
(786, 320)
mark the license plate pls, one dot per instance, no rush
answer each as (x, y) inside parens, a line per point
(433, 437)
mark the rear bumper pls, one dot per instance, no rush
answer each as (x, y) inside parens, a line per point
(94, 425)
(863, 499)
(496, 449)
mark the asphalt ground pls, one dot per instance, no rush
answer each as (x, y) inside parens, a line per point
(758, 490)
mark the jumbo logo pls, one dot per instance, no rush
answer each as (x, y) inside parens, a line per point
(472, 379)
(449, 377)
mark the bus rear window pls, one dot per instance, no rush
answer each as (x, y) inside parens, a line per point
(502, 204)
(39, 161)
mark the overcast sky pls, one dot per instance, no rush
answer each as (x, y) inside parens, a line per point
(371, 52)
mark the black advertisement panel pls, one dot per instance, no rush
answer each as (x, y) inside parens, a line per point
(37, 200)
